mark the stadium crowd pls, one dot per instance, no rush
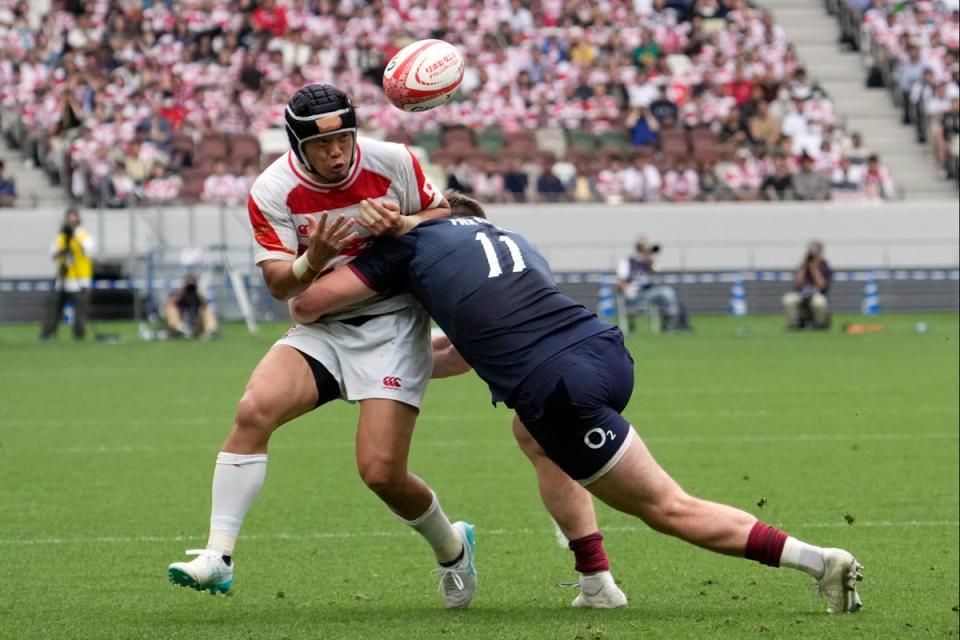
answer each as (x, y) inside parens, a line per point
(157, 101)
(914, 49)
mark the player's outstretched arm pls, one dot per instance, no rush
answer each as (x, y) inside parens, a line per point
(330, 293)
(286, 279)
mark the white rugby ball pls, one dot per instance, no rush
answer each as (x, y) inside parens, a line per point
(423, 75)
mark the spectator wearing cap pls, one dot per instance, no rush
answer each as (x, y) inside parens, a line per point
(808, 184)
(8, 190)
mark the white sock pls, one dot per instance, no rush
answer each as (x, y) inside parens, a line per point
(237, 479)
(434, 526)
(803, 556)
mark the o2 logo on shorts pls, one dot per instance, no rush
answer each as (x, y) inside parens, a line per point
(596, 438)
(392, 382)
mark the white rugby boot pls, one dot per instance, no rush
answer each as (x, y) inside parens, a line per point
(599, 591)
(207, 572)
(459, 582)
(841, 573)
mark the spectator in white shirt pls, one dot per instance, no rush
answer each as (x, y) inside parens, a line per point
(219, 186)
(681, 183)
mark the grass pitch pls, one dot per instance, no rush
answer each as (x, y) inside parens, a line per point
(106, 452)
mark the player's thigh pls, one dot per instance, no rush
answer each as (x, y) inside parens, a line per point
(637, 484)
(281, 388)
(384, 433)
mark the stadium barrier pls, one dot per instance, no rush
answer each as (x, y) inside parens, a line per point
(22, 300)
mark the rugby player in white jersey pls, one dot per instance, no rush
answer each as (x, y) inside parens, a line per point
(377, 354)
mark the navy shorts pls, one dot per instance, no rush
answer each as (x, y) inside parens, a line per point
(571, 405)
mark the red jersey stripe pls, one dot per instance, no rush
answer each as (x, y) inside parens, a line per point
(263, 233)
(368, 184)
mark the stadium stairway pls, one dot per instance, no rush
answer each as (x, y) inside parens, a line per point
(841, 73)
(33, 186)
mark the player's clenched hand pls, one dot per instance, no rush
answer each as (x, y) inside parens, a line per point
(327, 240)
(384, 218)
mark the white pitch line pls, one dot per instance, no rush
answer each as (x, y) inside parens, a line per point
(426, 441)
(341, 535)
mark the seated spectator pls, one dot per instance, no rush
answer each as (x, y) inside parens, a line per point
(8, 191)
(122, 188)
(643, 127)
(847, 176)
(161, 188)
(585, 184)
(856, 151)
(549, 186)
(877, 184)
(488, 183)
(744, 177)
(188, 314)
(778, 185)
(640, 286)
(610, 182)
(807, 305)
(711, 187)
(641, 180)
(808, 184)
(515, 182)
(219, 186)
(244, 182)
(681, 183)
(664, 110)
(764, 127)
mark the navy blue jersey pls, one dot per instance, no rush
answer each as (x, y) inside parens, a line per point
(489, 290)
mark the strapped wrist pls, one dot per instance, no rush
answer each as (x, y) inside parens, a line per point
(301, 265)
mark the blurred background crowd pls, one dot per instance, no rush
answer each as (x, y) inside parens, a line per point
(151, 101)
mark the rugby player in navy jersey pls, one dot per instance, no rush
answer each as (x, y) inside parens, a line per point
(566, 373)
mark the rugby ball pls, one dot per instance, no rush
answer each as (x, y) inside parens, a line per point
(423, 75)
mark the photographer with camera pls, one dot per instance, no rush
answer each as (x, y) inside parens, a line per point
(71, 250)
(640, 286)
(188, 314)
(807, 305)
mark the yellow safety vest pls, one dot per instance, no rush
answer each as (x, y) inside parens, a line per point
(79, 264)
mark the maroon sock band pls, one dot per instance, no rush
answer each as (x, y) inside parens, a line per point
(765, 544)
(589, 553)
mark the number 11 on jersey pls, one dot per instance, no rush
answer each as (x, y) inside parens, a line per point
(494, 261)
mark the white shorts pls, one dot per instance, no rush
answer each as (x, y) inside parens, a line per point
(387, 356)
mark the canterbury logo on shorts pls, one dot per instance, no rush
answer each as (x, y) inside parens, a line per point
(391, 382)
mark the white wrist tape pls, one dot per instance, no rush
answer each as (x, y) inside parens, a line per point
(300, 266)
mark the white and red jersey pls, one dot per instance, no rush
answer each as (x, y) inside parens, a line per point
(284, 194)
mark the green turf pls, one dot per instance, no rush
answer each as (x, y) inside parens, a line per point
(106, 452)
